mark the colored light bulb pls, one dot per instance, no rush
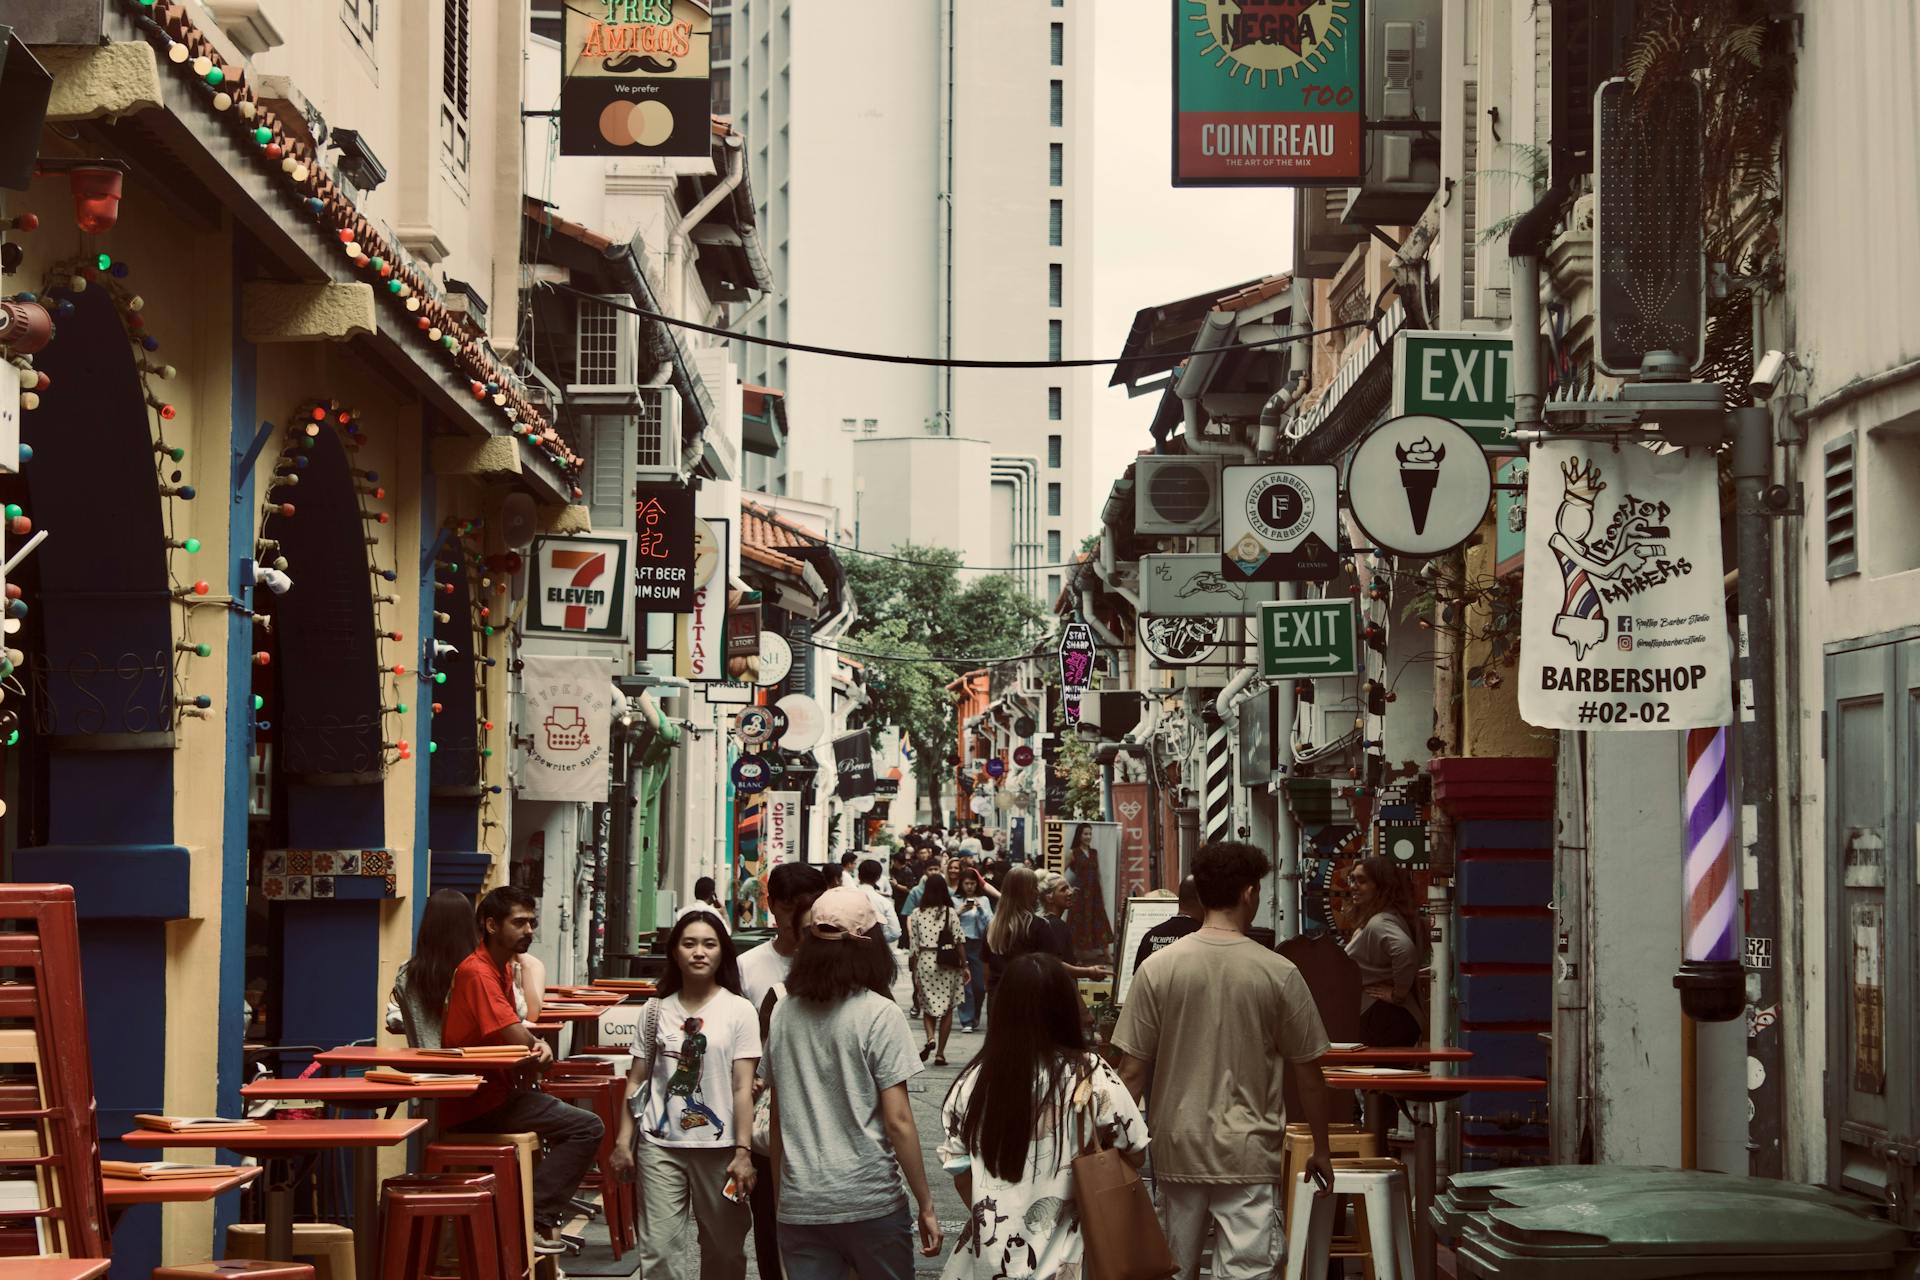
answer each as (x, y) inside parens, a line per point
(263, 135)
(432, 747)
(191, 546)
(258, 702)
(439, 677)
(400, 707)
(103, 261)
(203, 651)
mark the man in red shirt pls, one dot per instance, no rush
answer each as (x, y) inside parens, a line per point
(480, 1011)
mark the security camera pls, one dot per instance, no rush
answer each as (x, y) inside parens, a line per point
(1770, 372)
(274, 580)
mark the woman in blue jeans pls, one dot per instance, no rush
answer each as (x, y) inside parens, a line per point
(839, 1055)
(976, 912)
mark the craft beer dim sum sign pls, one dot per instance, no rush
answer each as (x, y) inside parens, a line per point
(1267, 92)
(637, 78)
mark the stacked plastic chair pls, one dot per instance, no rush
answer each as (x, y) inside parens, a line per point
(46, 1034)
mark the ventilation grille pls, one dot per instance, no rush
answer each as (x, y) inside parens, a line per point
(1841, 527)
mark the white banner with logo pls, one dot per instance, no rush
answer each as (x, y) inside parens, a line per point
(780, 828)
(568, 715)
(1623, 624)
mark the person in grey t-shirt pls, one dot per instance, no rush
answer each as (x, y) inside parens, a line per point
(840, 1049)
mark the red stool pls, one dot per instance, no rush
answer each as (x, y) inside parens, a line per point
(604, 1096)
(568, 1068)
(503, 1162)
(415, 1205)
(236, 1267)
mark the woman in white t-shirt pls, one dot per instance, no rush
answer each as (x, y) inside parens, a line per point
(1017, 1116)
(690, 1095)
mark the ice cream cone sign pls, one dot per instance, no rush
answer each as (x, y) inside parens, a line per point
(1419, 473)
(1419, 485)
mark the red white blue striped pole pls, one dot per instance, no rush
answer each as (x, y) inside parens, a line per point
(1712, 987)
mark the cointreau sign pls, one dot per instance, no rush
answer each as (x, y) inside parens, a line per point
(1267, 92)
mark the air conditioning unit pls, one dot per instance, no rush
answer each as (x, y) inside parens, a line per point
(1403, 87)
(1176, 494)
(657, 433)
(605, 348)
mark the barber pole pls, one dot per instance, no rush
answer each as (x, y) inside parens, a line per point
(1713, 888)
(1217, 807)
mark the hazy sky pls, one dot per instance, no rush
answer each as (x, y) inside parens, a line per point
(1154, 244)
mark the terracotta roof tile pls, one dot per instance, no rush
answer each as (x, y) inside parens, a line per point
(546, 217)
(1255, 293)
(763, 535)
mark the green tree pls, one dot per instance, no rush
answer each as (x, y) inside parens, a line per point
(915, 610)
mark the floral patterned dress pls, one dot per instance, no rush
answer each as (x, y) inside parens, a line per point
(940, 989)
(1030, 1230)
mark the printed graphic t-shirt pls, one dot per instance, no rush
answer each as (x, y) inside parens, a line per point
(1219, 1017)
(691, 1102)
(479, 1006)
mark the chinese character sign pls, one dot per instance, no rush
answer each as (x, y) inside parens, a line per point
(664, 548)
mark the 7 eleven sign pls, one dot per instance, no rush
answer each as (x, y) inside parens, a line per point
(582, 587)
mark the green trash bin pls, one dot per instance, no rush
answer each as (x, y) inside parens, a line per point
(1471, 1194)
(1681, 1229)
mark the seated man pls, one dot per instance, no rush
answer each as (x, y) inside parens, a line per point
(480, 1011)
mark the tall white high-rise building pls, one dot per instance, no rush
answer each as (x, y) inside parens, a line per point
(924, 174)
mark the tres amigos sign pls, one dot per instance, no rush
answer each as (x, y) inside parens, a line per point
(637, 74)
(1267, 92)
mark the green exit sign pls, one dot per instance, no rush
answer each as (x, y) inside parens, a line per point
(1309, 638)
(1462, 376)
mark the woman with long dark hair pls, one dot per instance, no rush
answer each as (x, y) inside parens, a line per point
(1019, 927)
(840, 1054)
(976, 913)
(1387, 943)
(690, 1092)
(1017, 1116)
(419, 997)
(935, 925)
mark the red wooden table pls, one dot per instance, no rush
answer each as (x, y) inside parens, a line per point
(1422, 1088)
(279, 1144)
(121, 1194)
(56, 1268)
(373, 1055)
(358, 1091)
(576, 1017)
(1412, 1056)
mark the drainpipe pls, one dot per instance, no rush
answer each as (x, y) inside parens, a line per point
(680, 241)
(1274, 413)
(1524, 246)
(1092, 620)
(1215, 331)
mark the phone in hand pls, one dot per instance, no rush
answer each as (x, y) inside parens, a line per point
(733, 1192)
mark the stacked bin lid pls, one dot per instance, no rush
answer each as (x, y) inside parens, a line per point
(1622, 1223)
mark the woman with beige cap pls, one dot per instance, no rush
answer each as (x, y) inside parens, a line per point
(846, 1152)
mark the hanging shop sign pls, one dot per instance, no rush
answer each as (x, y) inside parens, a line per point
(1267, 92)
(1022, 756)
(1623, 624)
(700, 636)
(1183, 642)
(730, 693)
(1192, 586)
(779, 724)
(568, 716)
(751, 775)
(637, 78)
(1418, 485)
(981, 805)
(774, 657)
(578, 586)
(1461, 376)
(996, 767)
(664, 553)
(743, 642)
(709, 552)
(806, 723)
(853, 764)
(1076, 667)
(754, 725)
(780, 827)
(1279, 524)
(1305, 639)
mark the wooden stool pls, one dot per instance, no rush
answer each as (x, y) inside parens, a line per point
(1381, 1186)
(603, 1097)
(236, 1267)
(502, 1160)
(415, 1205)
(527, 1145)
(329, 1247)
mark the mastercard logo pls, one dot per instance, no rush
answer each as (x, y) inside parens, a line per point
(646, 123)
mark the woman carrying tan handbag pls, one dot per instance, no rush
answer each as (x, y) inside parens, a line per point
(1015, 1124)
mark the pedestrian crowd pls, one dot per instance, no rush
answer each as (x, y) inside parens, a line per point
(769, 1089)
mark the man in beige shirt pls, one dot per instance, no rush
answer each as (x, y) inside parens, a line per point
(1213, 1022)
